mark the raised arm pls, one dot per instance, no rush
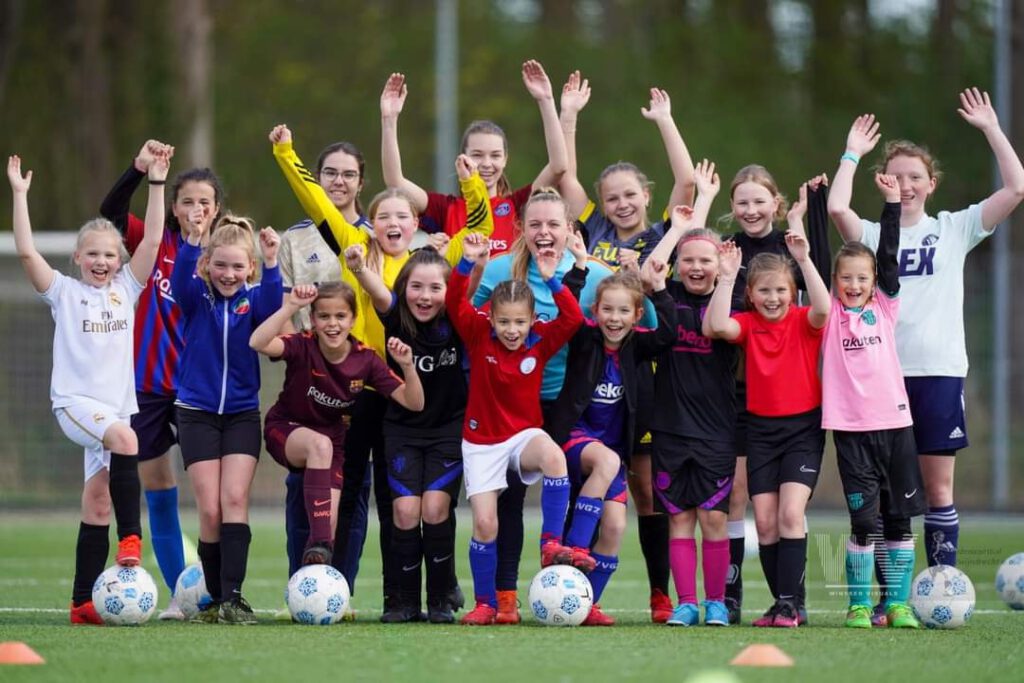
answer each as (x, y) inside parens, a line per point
(144, 257)
(976, 109)
(651, 342)
(116, 205)
(718, 323)
(39, 272)
(800, 250)
(479, 218)
(861, 139)
(708, 185)
(392, 100)
(817, 225)
(539, 86)
(270, 292)
(265, 339)
(660, 111)
(575, 95)
(682, 220)
(889, 238)
(410, 394)
(371, 282)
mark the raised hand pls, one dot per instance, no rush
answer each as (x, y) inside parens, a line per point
(796, 213)
(464, 166)
(148, 154)
(392, 98)
(280, 134)
(401, 352)
(653, 273)
(575, 94)
(707, 181)
(270, 242)
(577, 247)
(863, 135)
(730, 256)
(18, 182)
(629, 260)
(536, 80)
(547, 264)
(976, 109)
(302, 295)
(475, 247)
(157, 169)
(889, 186)
(439, 242)
(817, 181)
(660, 106)
(682, 217)
(354, 258)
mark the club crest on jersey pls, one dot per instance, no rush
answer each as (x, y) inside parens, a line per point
(241, 306)
(503, 209)
(528, 365)
(929, 239)
(115, 299)
(868, 317)
(355, 386)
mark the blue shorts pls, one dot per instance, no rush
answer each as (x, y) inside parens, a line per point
(573, 449)
(940, 419)
(156, 424)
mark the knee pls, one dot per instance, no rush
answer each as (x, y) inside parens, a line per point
(209, 515)
(939, 491)
(554, 461)
(406, 512)
(234, 500)
(156, 474)
(435, 512)
(791, 520)
(96, 505)
(485, 527)
(120, 438)
(713, 525)
(613, 528)
(608, 465)
(767, 524)
(320, 453)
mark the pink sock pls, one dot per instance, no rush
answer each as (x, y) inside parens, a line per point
(682, 558)
(715, 563)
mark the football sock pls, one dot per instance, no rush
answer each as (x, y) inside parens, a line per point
(586, 515)
(941, 535)
(483, 561)
(901, 569)
(510, 534)
(91, 552)
(769, 556)
(554, 501)
(316, 492)
(714, 558)
(859, 559)
(682, 555)
(737, 549)
(407, 560)
(165, 532)
(791, 564)
(453, 579)
(209, 556)
(234, 549)
(602, 574)
(126, 494)
(296, 522)
(439, 556)
(654, 545)
(881, 559)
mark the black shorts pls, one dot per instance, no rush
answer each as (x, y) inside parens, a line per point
(782, 450)
(691, 473)
(155, 425)
(879, 471)
(419, 464)
(209, 436)
(275, 435)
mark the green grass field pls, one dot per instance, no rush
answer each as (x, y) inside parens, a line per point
(36, 554)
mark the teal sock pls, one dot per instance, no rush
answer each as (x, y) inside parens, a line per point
(901, 569)
(859, 563)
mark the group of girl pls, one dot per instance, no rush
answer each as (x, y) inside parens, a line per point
(590, 369)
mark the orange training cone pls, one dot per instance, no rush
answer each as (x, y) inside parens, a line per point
(13, 652)
(762, 654)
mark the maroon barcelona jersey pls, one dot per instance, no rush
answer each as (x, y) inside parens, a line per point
(317, 393)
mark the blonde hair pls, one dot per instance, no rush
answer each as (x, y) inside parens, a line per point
(230, 231)
(755, 173)
(101, 225)
(374, 252)
(622, 279)
(520, 250)
(625, 167)
(767, 264)
(906, 148)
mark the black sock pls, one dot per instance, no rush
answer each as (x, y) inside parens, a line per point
(769, 556)
(125, 494)
(234, 553)
(791, 565)
(407, 560)
(510, 534)
(453, 579)
(734, 579)
(654, 544)
(90, 559)
(209, 555)
(439, 556)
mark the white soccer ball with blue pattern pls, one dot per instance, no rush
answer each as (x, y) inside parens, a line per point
(317, 595)
(561, 595)
(190, 590)
(124, 596)
(1010, 581)
(942, 597)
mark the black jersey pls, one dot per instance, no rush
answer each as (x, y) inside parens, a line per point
(438, 355)
(695, 383)
(772, 243)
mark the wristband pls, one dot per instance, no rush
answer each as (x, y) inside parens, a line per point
(850, 156)
(156, 182)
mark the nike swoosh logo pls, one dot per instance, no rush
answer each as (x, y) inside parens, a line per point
(805, 468)
(410, 568)
(911, 494)
(439, 560)
(319, 374)
(721, 482)
(449, 463)
(321, 502)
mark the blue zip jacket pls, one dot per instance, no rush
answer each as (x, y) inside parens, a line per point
(218, 371)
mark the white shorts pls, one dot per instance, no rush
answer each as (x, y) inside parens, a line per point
(85, 422)
(484, 466)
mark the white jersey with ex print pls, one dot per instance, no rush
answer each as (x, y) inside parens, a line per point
(92, 341)
(930, 335)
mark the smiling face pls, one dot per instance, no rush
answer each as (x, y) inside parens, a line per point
(332, 322)
(424, 292)
(771, 294)
(511, 322)
(854, 280)
(615, 314)
(489, 153)
(229, 267)
(394, 223)
(98, 256)
(624, 201)
(697, 265)
(193, 194)
(916, 185)
(753, 208)
(340, 178)
(546, 227)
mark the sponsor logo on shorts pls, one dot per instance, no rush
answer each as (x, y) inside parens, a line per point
(957, 433)
(719, 483)
(449, 463)
(854, 500)
(439, 560)
(99, 417)
(528, 365)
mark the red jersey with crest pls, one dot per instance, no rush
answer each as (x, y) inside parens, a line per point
(447, 212)
(504, 386)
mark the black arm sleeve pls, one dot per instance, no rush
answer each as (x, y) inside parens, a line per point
(575, 279)
(817, 231)
(888, 248)
(117, 203)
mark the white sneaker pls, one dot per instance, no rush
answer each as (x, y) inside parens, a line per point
(172, 613)
(283, 614)
(349, 614)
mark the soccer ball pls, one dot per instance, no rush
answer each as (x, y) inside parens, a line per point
(124, 596)
(561, 595)
(1010, 581)
(190, 590)
(942, 597)
(317, 594)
